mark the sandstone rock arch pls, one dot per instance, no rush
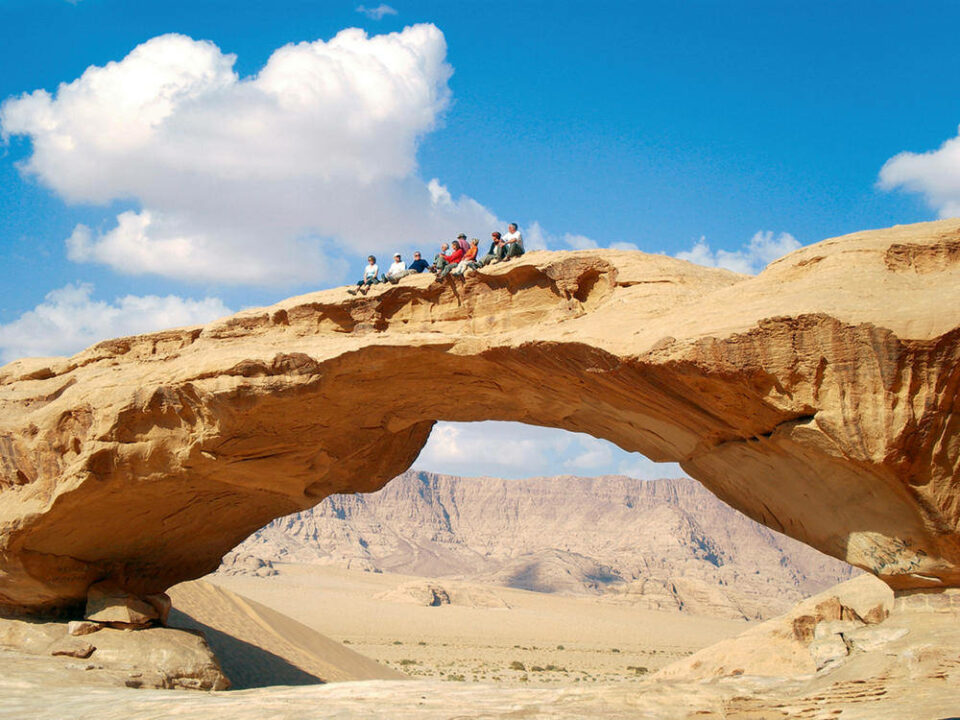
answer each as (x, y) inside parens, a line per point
(819, 397)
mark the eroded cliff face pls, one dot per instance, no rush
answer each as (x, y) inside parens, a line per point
(820, 398)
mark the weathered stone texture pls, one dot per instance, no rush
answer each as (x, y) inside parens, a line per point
(819, 397)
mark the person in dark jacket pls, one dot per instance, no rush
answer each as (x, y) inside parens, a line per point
(495, 253)
(419, 265)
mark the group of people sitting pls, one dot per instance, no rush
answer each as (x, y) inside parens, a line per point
(454, 259)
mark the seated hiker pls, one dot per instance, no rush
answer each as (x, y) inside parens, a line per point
(396, 271)
(455, 256)
(444, 249)
(418, 265)
(513, 242)
(469, 259)
(369, 277)
(495, 252)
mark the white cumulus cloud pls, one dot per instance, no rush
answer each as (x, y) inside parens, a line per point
(515, 450)
(378, 12)
(934, 174)
(69, 319)
(763, 248)
(268, 179)
(537, 238)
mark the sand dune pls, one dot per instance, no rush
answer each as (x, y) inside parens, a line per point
(912, 675)
(484, 630)
(258, 646)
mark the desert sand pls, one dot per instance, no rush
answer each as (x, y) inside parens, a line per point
(257, 646)
(909, 667)
(484, 630)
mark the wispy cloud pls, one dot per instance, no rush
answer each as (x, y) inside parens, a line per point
(378, 12)
(69, 319)
(537, 238)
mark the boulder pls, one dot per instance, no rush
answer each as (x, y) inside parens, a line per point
(82, 627)
(806, 639)
(107, 602)
(148, 658)
(161, 603)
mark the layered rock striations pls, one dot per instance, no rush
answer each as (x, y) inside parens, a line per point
(661, 544)
(819, 397)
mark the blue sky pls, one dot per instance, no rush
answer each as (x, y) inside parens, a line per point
(722, 132)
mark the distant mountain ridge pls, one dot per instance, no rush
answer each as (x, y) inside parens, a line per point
(667, 544)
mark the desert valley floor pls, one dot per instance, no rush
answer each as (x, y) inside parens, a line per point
(484, 630)
(580, 658)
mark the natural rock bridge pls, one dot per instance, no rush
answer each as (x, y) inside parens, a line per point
(820, 398)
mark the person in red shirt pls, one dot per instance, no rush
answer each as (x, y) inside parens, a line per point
(448, 262)
(469, 259)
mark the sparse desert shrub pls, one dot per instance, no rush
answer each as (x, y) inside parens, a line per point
(555, 668)
(456, 678)
(639, 670)
(536, 668)
(560, 647)
(347, 642)
(397, 642)
(517, 665)
(616, 650)
(421, 643)
(524, 678)
(408, 661)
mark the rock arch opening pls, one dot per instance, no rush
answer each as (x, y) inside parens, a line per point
(810, 408)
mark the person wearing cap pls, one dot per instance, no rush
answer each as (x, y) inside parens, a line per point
(512, 242)
(396, 271)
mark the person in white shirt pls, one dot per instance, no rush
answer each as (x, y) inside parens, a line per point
(396, 271)
(512, 242)
(370, 273)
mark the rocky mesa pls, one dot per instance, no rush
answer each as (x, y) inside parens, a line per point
(819, 398)
(663, 544)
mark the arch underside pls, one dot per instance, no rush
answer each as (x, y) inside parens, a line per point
(146, 459)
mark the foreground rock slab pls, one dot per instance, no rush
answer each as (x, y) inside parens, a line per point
(913, 676)
(819, 398)
(153, 658)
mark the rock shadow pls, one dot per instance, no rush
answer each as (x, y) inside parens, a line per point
(246, 665)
